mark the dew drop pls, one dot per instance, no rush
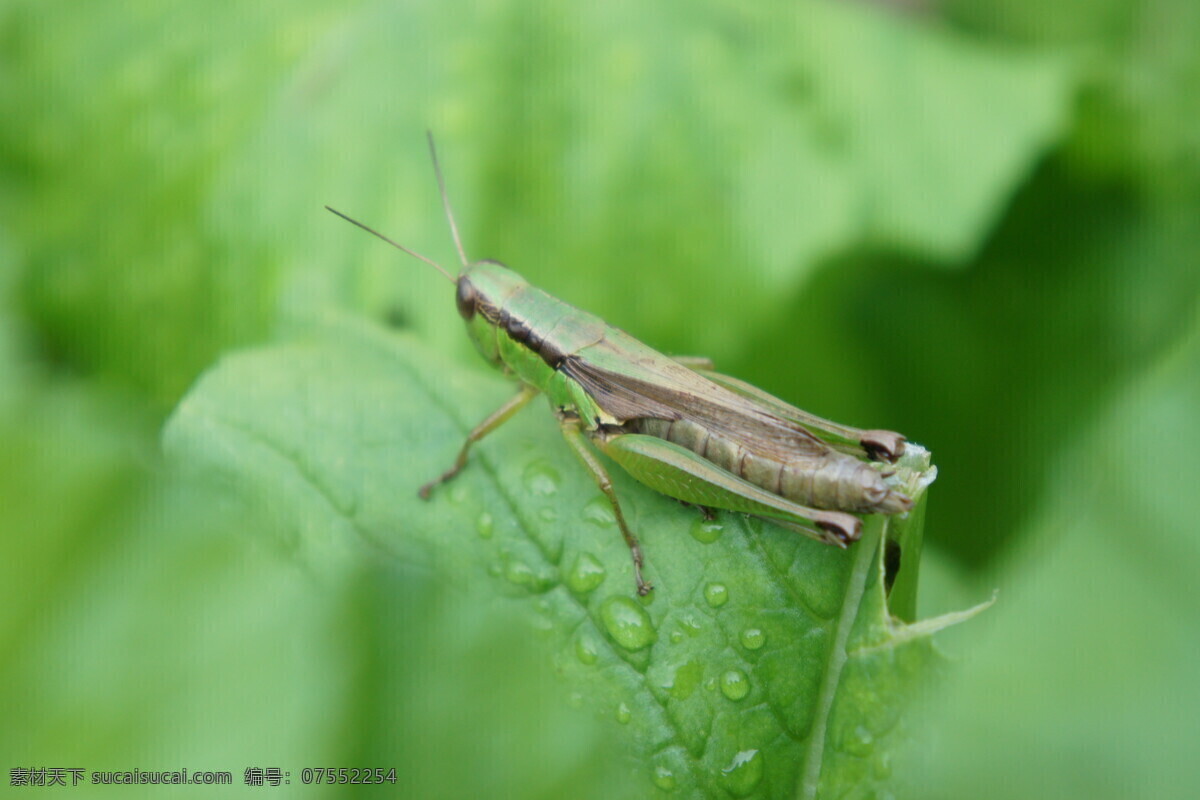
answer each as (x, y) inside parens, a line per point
(575, 700)
(547, 515)
(458, 495)
(485, 525)
(664, 778)
(624, 714)
(706, 531)
(519, 573)
(744, 773)
(676, 637)
(586, 574)
(685, 681)
(753, 638)
(859, 742)
(543, 627)
(349, 503)
(598, 511)
(716, 594)
(585, 650)
(627, 622)
(735, 685)
(541, 478)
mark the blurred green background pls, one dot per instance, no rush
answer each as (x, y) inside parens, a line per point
(973, 221)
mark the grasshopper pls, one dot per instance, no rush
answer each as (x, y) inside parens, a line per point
(672, 423)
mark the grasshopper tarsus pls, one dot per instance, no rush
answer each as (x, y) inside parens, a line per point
(840, 535)
(425, 491)
(707, 512)
(635, 551)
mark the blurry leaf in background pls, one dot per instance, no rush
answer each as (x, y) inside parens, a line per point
(1079, 289)
(1142, 89)
(1080, 681)
(758, 142)
(126, 121)
(1091, 275)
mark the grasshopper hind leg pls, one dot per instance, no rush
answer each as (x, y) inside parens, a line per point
(573, 433)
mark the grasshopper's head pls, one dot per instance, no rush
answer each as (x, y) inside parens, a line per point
(484, 289)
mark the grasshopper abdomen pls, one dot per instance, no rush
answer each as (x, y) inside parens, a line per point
(827, 480)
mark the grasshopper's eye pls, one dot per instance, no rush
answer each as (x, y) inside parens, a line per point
(465, 299)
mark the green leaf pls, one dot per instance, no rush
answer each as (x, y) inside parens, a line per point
(1084, 673)
(1140, 82)
(764, 664)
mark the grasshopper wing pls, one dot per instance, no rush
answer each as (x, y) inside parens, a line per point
(659, 388)
(876, 445)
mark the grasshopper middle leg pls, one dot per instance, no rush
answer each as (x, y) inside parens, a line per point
(573, 433)
(494, 420)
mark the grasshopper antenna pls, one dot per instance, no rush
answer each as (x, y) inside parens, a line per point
(396, 245)
(437, 169)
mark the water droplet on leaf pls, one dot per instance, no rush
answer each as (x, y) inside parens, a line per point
(753, 638)
(716, 594)
(585, 649)
(586, 574)
(664, 778)
(598, 511)
(706, 531)
(485, 525)
(627, 623)
(685, 681)
(518, 573)
(743, 773)
(859, 741)
(735, 685)
(541, 478)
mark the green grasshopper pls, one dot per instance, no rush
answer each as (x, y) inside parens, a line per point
(672, 423)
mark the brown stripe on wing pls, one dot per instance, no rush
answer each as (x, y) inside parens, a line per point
(682, 394)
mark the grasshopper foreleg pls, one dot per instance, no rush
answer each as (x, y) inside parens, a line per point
(573, 433)
(494, 420)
